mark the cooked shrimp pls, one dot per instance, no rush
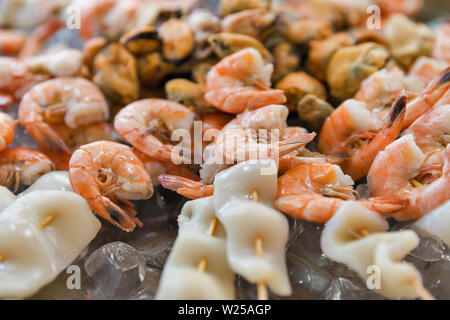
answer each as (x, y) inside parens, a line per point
(314, 192)
(251, 22)
(11, 41)
(426, 69)
(241, 81)
(156, 168)
(252, 134)
(436, 93)
(108, 174)
(34, 41)
(381, 88)
(441, 50)
(7, 129)
(401, 169)
(188, 188)
(74, 102)
(22, 166)
(109, 18)
(15, 80)
(147, 125)
(432, 132)
(354, 131)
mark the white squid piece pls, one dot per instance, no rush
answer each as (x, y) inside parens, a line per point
(41, 233)
(436, 223)
(358, 238)
(53, 180)
(197, 267)
(6, 198)
(256, 232)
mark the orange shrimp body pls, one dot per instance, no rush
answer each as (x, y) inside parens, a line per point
(401, 170)
(74, 102)
(354, 131)
(22, 166)
(147, 125)
(315, 191)
(107, 174)
(11, 41)
(186, 187)
(241, 81)
(7, 129)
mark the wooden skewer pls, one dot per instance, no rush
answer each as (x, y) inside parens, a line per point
(420, 289)
(212, 230)
(261, 288)
(45, 223)
(415, 183)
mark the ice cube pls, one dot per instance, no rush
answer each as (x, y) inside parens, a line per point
(117, 268)
(430, 249)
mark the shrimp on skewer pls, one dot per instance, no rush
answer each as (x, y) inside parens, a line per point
(314, 192)
(108, 174)
(7, 129)
(354, 131)
(241, 81)
(74, 102)
(147, 125)
(22, 166)
(401, 170)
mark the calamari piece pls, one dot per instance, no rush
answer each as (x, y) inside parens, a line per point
(358, 238)
(6, 198)
(54, 180)
(198, 216)
(436, 223)
(182, 277)
(197, 267)
(242, 179)
(245, 221)
(41, 233)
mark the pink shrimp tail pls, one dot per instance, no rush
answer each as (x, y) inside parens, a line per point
(386, 205)
(185, 187)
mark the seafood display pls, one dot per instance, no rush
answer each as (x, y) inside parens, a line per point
(224, 149)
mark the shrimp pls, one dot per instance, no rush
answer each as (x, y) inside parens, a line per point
(7, 130)
(75, 102)
(432, 132)
(354, 131)
(156, 168)
(241, 81)
(401, 170)
(425, 69)
(252, 134)
(15, 80)
(22, 166)
(147, 125)
(106, 17)
(436, 93)
(108, 174)
(11, 41)
(441, 50)
(315, 191)
(188, 188)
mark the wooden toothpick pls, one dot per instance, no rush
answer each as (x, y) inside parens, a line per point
(46, 222)
(212, 230)
(261, 288)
